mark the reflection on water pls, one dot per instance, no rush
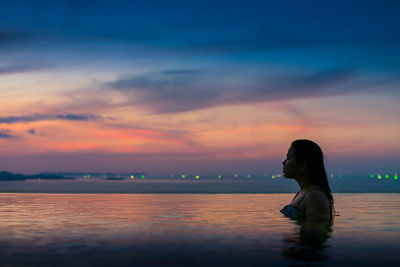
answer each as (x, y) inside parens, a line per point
(308, 241)
(191, 229)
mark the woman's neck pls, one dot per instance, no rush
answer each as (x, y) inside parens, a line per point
(305, 183)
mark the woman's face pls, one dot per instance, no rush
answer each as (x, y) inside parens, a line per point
(291, 169)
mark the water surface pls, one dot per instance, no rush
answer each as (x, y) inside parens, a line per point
(193, 229)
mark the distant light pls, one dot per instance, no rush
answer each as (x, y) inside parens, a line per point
(172, 175)
(331, 175)
(183, 176)
(340, 176)
(235, 175)
(395, 176)
(143, 176)
(219, 176)
(248, 176)
(266, 175)
(371, 176)
(273, 176)
(132, 177)
(379, 176)
(88, 176)
(387, 176)
(279, 175)
(197, 177)
(84, 177)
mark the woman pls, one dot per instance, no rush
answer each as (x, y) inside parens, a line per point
(305, 163)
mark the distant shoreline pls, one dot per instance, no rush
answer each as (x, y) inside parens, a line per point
(8, 176)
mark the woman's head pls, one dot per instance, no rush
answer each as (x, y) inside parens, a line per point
(305, 159)
(309, 156)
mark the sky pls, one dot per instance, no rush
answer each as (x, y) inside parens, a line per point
(198, 86)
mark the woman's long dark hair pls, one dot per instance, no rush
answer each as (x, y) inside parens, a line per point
(309, 152)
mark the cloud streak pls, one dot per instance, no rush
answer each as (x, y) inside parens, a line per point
(5, 133)
(41, 117)
(17, 68)
(31, 131)
(185, 90)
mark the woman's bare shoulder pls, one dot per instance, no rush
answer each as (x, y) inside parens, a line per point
(316, 203)
(316, 194)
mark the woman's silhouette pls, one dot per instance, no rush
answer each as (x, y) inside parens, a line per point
(305, 163)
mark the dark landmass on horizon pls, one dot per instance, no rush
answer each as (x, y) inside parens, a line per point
(8, 176)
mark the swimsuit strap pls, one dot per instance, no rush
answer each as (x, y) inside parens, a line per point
(301, 199)
(295, 195)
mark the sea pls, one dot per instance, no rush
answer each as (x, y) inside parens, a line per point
(97, 229)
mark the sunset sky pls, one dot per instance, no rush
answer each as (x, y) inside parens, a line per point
(198, 86)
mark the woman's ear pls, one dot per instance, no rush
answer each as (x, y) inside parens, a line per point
(304, 166)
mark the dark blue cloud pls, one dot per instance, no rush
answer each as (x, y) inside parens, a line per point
(40, 117)
(31, 131)
(185, 90)
(9, 37)
(5, 133)
(77, 117)
(16, 68)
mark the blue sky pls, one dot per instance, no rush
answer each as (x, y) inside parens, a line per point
(229, 82)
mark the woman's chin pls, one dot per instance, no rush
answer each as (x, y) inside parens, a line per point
(287, 176)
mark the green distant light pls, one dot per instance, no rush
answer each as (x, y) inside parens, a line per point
(379, 176)
(143, 176)
(395, 176)
(371, 176)
(340, 176)
(387, 176)
(219, 176)
(248, 176)
(183, 176)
